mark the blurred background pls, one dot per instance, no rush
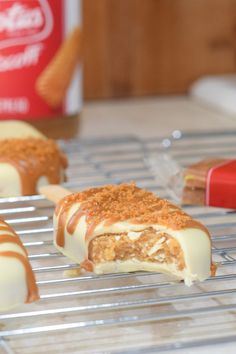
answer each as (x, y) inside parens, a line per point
(116, 62)
(155, 47)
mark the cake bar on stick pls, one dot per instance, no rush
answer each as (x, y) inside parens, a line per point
(122, 228)
(26, 164)
(17, 281)
(18, 129)
(27, 160)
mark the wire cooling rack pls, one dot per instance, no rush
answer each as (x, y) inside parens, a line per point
(121, 313)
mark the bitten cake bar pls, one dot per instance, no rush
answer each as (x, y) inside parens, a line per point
(26, 164)
(17, 281)
(122, 228)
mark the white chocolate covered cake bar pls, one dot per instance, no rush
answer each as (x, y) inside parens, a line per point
(18, 129)
(17, 281)
(26, 164)
(122, 228)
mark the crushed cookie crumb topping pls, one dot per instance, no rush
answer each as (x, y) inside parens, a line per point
(30, 148)
(127, 202)
(33, 158)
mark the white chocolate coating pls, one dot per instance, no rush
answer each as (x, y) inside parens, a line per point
(13, 283)
(10, 180)
(194, 242)
(13, 274)
(28, 164)
(135, 265)
(18, 129)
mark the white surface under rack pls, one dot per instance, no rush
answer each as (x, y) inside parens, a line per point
(122, 313)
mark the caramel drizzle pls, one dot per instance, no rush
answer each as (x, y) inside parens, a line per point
(60, 236)
(31, 284)
(29, 180)
(74, 220)
(65, 204)
(72, 224)
(31, 168)
(61, 212)
(12, 239)
(30, 278)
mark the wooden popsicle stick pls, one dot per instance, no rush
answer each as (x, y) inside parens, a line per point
(54, 192)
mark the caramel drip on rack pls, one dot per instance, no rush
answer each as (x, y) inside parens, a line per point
(31, 284)
(87, 265)
(33, 158)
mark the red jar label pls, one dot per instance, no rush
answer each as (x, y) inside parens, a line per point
(33, 36)
(221, 185)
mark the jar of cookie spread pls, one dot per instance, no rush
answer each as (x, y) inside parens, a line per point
(40, 64)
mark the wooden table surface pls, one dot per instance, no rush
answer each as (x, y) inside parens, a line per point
(158, 116)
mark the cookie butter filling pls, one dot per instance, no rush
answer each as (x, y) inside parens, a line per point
(27, 163)
(148, 246)
(122, 228)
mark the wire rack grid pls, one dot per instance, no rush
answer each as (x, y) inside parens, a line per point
(121, 313)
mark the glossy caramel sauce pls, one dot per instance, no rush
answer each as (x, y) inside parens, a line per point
(117, 203)
(30, 278)
(33, 158)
